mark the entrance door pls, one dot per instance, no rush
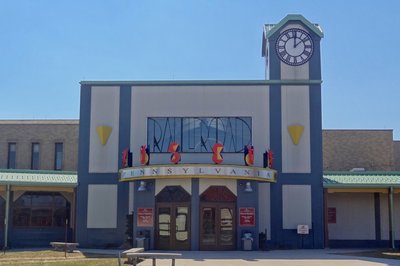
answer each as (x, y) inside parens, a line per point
(172, 231)
(217, 223)
(217, 219)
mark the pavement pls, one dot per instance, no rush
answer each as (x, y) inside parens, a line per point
(299, 257)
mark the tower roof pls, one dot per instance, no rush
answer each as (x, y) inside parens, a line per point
(270, 29)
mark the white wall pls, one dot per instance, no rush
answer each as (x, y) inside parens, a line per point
(102, 206)
(296, 111)
(104, 111)
(296, 206)
(200, 101)
(396, 217)
(355, 216)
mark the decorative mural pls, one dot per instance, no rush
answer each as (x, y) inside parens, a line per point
(199, 134)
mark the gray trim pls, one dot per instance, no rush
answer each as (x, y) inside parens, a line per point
(81, 232)
(195, 213)
(246, 200)
(276, 147)
(145, 199)
(202, 82)
(124, 142)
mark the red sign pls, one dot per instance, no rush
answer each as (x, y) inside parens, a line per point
(145, 217)
(331, 215)
(247, 216)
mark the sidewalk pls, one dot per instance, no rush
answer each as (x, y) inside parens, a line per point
(328, 257)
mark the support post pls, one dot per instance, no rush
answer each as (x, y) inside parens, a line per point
(6, 218)
(391, 218)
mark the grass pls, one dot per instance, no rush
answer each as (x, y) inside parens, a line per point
(51, 258)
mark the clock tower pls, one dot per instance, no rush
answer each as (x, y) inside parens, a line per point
(291, 50)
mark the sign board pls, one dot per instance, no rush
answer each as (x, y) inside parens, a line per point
(145, 217)
(331, 215)
(303, 229)
(198, 171)
(247, 216)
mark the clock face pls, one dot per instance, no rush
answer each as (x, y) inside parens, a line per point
(294, 47)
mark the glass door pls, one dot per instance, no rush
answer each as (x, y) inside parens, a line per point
(163, 227)
(181, 226)
(172, 226)
(217, 226)
(226, 232)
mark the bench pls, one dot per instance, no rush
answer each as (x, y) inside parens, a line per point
(62, 246)
(132, 250)
(151, 255)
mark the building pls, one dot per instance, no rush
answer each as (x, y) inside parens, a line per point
(38, 162)
(169, 156)
(187, 196)
(362, 186)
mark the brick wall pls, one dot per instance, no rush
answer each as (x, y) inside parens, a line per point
(347, 149)
(44, 132)
(396, 155)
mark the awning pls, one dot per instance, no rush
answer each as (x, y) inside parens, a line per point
(198, 171)
(38, 178)
(361, 179)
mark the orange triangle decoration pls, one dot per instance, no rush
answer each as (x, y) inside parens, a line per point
(104, 133)
(295, 132)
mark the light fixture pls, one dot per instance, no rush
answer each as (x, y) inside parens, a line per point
(142, 186)
(248, 187)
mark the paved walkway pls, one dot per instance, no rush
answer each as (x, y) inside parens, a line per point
(327, 257)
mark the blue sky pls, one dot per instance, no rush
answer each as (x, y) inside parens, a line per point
(47, 47)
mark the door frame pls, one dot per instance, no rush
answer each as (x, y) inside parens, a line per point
(172, 242)
(218, 206)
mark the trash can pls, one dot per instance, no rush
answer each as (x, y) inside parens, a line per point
(247, 241)
(142, 240)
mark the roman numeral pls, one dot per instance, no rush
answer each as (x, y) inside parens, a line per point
(282, 53)
(306, 53)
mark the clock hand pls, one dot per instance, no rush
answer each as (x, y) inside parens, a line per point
(294, 41)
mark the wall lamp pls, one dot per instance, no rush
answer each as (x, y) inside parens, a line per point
(142, 186)
(248, 187)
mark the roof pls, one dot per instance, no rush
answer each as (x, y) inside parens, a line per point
(270, 29)
(197, 82)
(38, 178)
(40, 122)
(361, 179)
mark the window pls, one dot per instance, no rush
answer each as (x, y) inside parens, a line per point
(58, 156)
(35, 156)
(199, 134)
(40, 209)
(12, 155)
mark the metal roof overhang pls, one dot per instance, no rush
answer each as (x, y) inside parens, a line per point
(362, 180)
(15, 177)
(198, 171)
